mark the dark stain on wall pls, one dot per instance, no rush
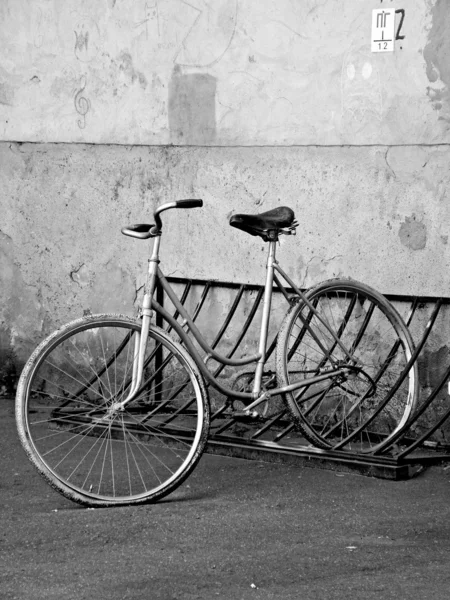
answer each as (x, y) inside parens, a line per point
(192, 108)
(437, 53)
(432, 365)
(22, 316)
(125, 63)
(117, 187)
(8, 370)
(413, 233)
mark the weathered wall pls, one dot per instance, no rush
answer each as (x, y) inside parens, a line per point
(264, 104)
(363, 213)
(226, 72)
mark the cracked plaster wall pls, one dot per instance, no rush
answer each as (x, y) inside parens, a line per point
(266, 104)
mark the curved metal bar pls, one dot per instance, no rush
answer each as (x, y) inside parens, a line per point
(196, 333)
(244, 329)
(412, 311)
(394, 389)
(197, 311)
(319, 317)
(202, 300)
(183, 298)
(156, 230)
(376, 378)
(339, 333)
(384, 447)
(230, 315)
(198, 359)
(420, 412)
(283, 433)
(281, 287)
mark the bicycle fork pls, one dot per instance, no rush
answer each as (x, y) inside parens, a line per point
(140, 342)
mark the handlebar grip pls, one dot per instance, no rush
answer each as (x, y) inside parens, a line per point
(189, 203)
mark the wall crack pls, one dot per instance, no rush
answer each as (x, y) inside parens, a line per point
(388, 165)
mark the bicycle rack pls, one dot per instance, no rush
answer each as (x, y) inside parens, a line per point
(273, 437)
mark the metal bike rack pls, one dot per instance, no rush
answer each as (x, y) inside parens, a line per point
(273, 437)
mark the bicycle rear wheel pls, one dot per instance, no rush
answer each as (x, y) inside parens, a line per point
(93, 454)
(356, 411)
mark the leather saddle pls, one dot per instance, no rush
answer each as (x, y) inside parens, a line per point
(267, 224)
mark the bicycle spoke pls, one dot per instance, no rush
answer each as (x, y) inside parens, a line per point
(95, 453)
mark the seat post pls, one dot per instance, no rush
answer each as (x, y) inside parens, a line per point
(267, 301)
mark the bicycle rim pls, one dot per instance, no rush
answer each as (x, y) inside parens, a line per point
(98, 456)
(357, 411)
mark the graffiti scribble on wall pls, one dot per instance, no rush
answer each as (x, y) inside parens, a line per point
(87, 40)
(82, 104)
(150, 15)
(210, 35)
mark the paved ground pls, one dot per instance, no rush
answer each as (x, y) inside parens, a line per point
(237, 530)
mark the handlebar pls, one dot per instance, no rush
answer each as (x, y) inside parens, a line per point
(143, 231)
(189, 203)
(192, 203)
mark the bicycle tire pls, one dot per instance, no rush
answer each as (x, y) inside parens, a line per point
(100, 458)
(355, 412)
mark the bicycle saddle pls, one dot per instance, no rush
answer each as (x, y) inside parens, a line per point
(267, 224)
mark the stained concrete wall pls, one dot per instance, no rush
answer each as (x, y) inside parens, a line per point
(222, 72)
(108, 108)
(64, 205)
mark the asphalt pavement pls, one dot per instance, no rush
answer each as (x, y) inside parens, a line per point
(235, 530)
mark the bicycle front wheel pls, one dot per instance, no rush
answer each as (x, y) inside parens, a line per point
(356, 411)
(83, 447)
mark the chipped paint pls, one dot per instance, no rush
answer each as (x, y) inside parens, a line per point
(437, 54)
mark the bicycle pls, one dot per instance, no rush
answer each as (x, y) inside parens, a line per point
(112, 410)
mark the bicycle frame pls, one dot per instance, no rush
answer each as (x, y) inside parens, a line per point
(258, 394)
(114, 410)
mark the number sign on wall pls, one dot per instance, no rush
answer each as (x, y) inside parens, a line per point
(383, 29)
